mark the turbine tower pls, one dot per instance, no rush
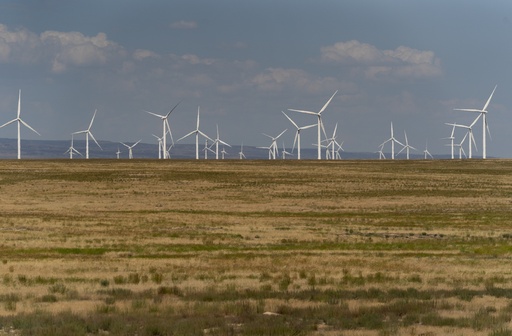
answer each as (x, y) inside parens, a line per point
(130, 153)
(485, 126)
(216, 143)
(165, 124)
(297, 134)
(273, 150)
(87, 134)
(72, 149)
(319, 124)
(406, 146)
(20, 121)
(451, 138)
(393, 140)
(196, 132)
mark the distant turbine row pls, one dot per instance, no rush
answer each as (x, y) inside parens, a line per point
(332, 146)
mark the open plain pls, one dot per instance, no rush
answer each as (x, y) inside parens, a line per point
(147, 247)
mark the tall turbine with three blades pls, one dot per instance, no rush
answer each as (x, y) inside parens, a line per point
(196, 132)
(19, 121)
(87, 134)
(485, 126)
(130, 152)
(393, 140)
(319, 124)
(165, 129)
(297, 134)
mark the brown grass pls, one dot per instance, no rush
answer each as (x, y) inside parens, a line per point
(71, 228)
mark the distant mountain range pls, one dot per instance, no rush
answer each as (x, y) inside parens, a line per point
(56, 149)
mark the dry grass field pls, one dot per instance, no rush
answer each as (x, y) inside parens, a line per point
(141, 247)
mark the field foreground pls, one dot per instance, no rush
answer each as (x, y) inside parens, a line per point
(146, 247)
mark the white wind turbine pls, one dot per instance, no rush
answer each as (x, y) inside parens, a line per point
(470, 133)
(270, 150)
(406, 147)
(451, 138)
(196, 132)
(216, 143)
(426, 152)
(223, 152)
(393, 140)
(284, 152)
(485, 126)
(161, 148)
(381, 153)
(273, 150)
(319, 124)
(72, 150)
(118, 152)
(20, 121)
(207, 149)
(331, 142)
(297, 134)
(241, 153)
(130, 153)
(165, 129)
(461, 149)
(87, 134)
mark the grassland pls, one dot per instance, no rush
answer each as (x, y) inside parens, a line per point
(143, 247)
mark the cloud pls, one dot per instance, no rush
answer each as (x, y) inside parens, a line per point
(76, 49)
(402, 62)
(278, 79)
(185, 25)
(141, 54)
(59, 50)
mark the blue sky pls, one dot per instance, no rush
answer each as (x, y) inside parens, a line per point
(243, 62)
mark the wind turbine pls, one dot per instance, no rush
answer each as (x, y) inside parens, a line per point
(223, 152)
(381, 153)
(196, 132)
(319, 124)
(216, 143)
(241, 153)
(273, 150)
(284, 152)
(451, 138)
(165, 123)
(485, 126)
(72, 149)
(426, 152)
(461, 150)
(470, 132)
(406, 147)
(297, 134)
(207, 149)
(118, 152)
(393, 140)
(270, 151)
(330, 144)
(161, 148)
(87, 134)
(20, 121)
(130, 153)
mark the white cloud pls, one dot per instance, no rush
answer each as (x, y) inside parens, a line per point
(376, 64)
(184, 25)
(76, 49)
(141, 54)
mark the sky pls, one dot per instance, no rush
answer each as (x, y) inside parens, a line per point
(410, 63)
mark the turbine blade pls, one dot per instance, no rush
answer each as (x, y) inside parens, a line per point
(326, 104)
(92, 136)
(302, 111)
(173, 109)
(293, 122)
(169, 129)
(468, 110)
(489, 100)
(9, 122)
(28, 126)
(280, 134)
(156, 115)
(92, 120)
(183, 137)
